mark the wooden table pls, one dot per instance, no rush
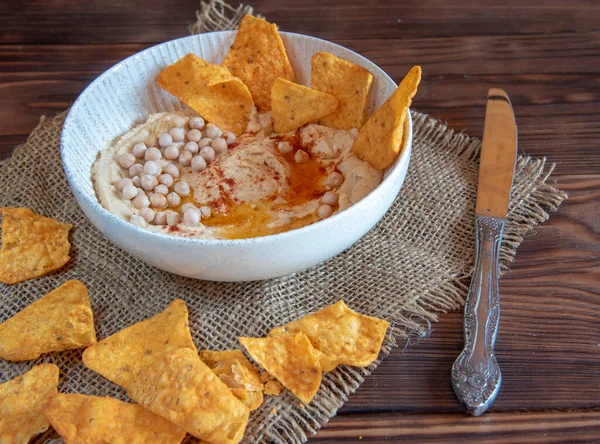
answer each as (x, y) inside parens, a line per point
(546, 54)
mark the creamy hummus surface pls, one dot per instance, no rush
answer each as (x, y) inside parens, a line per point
(179, 175)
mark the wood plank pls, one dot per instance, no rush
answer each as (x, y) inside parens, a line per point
(522, 427)
(95, 21)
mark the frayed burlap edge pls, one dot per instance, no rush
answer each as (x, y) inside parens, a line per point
(216, 15)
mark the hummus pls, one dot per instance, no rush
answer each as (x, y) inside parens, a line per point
(258, 184)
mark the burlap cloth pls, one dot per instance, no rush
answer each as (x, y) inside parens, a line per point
(412, 266)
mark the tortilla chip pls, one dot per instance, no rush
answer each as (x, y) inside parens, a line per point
(21, 402)
(32, 245)
(234, 369)
(291, 359)
(294, 105)
(60, 320)
(123, 355)
(210, 90)
(92, 419)
(348, 82)
(341, 335)
(273, 388)
(258, 57)
(380, 140)
(182, 389)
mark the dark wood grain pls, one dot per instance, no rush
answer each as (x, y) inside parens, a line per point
(100, 21)
(544, 53)
(522, 427)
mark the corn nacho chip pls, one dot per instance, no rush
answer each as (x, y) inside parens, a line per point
(32, 245)
(60, 320)
(380, 140)
(342, 335)
(182, 389)
(258, 57)
(92, 419)
(294, 105)
(234, 369)
(21, 402)
(121, 356)
(348, 82)
(210, 90)
(291, 359)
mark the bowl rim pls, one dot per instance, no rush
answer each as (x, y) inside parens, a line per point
(403, 157)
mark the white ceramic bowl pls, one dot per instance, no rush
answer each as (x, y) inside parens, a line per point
(127, 93)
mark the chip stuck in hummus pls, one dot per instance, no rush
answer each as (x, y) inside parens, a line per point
(210, 90)
(256, 153)
(258, 57)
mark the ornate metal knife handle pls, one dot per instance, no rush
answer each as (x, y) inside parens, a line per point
(476, 375)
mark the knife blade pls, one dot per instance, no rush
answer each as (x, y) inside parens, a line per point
(498, 156)
(476, 376)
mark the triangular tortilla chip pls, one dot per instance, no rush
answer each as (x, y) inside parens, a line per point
(234, 369)
(294, 105)
(258, 57)
(21, 403)
(182, 389)
(32, 245)
(290, 358)
(380, 140)
(342, 335)
(210, 90)
(60, 320)
(348, 82)
(92, 419)
(121, 356)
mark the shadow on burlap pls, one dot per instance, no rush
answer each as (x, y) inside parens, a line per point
(412, 266)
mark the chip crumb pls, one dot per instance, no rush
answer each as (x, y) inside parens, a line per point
(360, 437)
(265, 376)
(273, 411)
(273, 388)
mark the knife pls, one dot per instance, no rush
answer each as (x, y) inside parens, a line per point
(476, 376)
